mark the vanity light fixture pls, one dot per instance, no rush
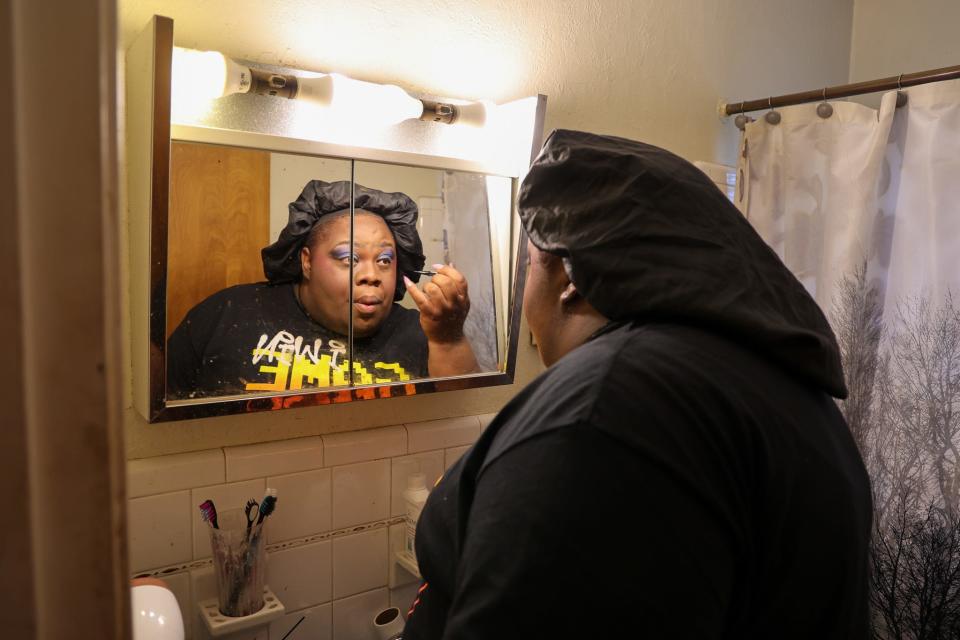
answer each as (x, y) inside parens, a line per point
(202, 76)
(472, 114)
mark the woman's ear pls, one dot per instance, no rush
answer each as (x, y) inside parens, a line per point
(569, 294)
(305, 262)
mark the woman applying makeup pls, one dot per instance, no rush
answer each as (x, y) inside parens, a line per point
(291, 332)
(680, 469)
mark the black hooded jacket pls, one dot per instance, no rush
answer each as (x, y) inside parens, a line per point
(685, 473)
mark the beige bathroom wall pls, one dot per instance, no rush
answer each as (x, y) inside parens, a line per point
(330, 548)
(643, 69)
(892, 36)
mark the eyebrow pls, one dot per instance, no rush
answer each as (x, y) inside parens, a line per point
(385, 243)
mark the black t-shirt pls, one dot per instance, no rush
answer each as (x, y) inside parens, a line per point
(256, 338)
(657, 482)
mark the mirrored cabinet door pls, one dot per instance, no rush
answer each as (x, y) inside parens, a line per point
(273, 288)
(443, 321)
(282, 256)
(238, 319)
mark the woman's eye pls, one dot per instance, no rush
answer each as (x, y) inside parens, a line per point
(385, 260)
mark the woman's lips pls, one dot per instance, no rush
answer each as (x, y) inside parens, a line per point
(367, 304)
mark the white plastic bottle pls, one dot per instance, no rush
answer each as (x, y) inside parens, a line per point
(415, 497)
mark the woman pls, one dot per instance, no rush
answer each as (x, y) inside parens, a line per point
(291, 332)
(680, 470)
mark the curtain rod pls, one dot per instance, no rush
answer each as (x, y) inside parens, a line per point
(843, 90)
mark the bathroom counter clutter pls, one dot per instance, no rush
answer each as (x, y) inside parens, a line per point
(220, 625)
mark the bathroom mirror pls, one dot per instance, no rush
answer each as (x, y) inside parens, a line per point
(209, 190)
(231, 330)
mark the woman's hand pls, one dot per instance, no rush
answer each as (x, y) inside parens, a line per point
(444, 304)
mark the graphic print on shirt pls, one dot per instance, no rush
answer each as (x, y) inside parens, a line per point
(289, 363)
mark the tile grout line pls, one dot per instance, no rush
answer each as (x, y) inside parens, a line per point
(277, 546)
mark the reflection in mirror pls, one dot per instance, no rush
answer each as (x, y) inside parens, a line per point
(264, 289)
(349, 278)
(446, 309)
(236, 322)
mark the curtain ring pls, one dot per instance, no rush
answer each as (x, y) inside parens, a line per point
(772, 116)
(740, 122)
(901, 96)
(824, 109)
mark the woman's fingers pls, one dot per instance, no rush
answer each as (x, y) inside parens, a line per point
(430, 301)
(453, 275)
(443, 297)
(443, 303)
(454, 287)
(419, 298)
(444, 300)
(448, 289)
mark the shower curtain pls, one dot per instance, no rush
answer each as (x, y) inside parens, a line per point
(864, 208)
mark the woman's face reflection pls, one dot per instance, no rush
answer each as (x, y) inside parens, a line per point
(326, 268)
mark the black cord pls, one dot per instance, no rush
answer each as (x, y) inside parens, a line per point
(293, 627)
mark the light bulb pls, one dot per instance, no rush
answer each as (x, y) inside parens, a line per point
(199, 77)
(367, 102)
(476, 114)
(472, 114)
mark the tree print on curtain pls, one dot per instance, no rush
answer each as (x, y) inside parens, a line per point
(864, 208)
(904, 412)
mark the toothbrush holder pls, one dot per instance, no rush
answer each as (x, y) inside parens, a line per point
(239, 563)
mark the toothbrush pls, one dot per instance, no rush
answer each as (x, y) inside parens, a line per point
(209, 513)
(268, 504)
(248, 510)
(251, 511)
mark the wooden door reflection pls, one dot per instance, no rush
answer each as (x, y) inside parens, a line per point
(219, 220)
